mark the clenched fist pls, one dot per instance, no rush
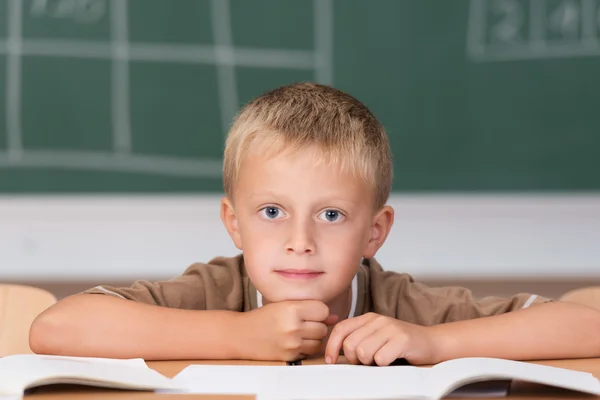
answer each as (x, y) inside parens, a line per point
(286, 331)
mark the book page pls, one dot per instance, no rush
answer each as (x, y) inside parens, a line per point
(349, 382)
(226, 379)
(449, 375)
(25, 371)
(135, 362)
(306, 382)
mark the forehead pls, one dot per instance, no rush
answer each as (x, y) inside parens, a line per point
(300, 173)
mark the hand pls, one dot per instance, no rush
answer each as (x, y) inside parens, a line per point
(375, 339)
(287, 331)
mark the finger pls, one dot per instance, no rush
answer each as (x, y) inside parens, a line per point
(389, 352)
(339, 334)
(310, 346)
(313, 330)
(354, 340)
(313, 310)
(332, 319)
(365, 351)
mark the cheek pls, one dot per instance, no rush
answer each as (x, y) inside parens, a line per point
(259, 238)
(259, 249)
(350, 236)
(343, 245)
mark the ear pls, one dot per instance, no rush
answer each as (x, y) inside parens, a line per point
(382, 224)
(230, 221)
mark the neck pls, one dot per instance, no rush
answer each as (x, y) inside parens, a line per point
(342, 304)
(339, 306)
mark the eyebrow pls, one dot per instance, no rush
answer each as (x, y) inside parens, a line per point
(265, 193)
(323, 199)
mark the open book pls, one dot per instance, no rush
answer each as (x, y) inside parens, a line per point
(24, 371)
(365, 382)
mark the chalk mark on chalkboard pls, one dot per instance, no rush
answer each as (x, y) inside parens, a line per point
(323, 16)
(81, 11)
(13, 79)
(228, 96)
(509, 30)
(121, 51)
(116, 162)
(121, 118)
(192, 54)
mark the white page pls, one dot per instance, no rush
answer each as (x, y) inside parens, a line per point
(226, 379)
(363, 382)
(21, 372)
(347, 382)
(135, 362)
(249, 379)
(452, 374)
(230, 379)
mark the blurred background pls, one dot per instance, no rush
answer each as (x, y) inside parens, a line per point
(114, 113)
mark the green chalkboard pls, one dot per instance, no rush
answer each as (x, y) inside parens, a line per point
(137, 95)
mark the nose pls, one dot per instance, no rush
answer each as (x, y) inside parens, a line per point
(300, 239)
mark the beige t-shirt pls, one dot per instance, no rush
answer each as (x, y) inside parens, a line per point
(223, 284)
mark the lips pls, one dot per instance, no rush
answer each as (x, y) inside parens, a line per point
(301, 274)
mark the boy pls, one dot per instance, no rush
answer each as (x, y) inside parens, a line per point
(307, 173)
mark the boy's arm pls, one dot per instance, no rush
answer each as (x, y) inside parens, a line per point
(148, 319)
(428, 325)
(106, 326)
(544, 331)
(153, 320)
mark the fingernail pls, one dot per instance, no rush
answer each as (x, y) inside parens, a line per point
(328, 360)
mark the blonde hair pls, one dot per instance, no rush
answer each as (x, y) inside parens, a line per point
(300, 115)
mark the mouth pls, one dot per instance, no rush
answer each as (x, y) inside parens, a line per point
(298, 274)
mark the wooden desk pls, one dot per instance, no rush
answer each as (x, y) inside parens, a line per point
(519, 390)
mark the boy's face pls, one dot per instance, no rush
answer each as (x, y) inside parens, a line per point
(303, 226)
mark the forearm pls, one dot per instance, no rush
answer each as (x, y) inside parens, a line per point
(545, 331)
(103, 326)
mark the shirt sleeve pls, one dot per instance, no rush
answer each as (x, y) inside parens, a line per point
(417, 303)
(213, 286)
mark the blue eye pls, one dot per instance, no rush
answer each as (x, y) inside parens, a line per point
(271, 212)
(331, 215)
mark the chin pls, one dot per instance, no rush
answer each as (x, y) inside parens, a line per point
(295, 297)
